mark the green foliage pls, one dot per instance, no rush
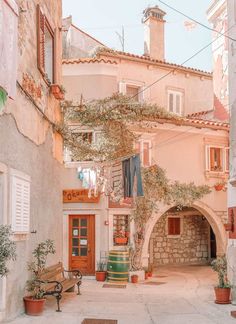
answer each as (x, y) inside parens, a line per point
(113, 116)
(219, 265)
(40, 254)
(101, 265)
(158, 188)
(7, 249)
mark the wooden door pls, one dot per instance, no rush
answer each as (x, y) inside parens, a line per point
(82, 243)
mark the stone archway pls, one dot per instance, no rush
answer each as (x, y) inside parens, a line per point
(205, 210)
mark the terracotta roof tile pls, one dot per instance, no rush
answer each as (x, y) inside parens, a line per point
(199, 113)
(152, 60)
(88, 60)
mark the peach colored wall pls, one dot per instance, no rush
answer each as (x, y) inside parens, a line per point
(196, 88)
(29, 119)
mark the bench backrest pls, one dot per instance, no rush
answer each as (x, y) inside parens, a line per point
(54, 272)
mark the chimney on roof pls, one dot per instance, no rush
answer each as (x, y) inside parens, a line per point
(154, 42)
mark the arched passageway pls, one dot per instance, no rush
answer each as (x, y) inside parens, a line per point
(187, 236)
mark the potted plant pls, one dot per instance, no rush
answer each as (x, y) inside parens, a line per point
(134, 278)
(222, 291)
(58, 91)
(34, 302)
(120, 237)
(219, 186)
(150, 269)
(7, 249)
(101, 271)
(145, 273)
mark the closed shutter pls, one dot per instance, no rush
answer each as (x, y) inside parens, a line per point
(122, 87)
(20, 204)
(41, 39)
(173, 226)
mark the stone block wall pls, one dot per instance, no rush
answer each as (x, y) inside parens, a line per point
(191, 246)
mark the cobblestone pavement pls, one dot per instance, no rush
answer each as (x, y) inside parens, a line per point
(173, 295)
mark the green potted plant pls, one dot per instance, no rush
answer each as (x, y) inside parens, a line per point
(7, 249)
(222, 291)
(101, 271)
(34, 302)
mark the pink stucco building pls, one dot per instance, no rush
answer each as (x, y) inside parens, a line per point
(195, 149)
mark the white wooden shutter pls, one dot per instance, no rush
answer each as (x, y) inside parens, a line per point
(122, 87)
(20, 204)
(207, 157)
(226, 159)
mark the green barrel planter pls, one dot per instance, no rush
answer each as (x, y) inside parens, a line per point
(118, 266)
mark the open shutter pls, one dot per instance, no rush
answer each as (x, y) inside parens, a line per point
(20, 205)
(212, 158)
(41, 39)
(56, 59)
(207, 158)
(226, 159)
(122, 87)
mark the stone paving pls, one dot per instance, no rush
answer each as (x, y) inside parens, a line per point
(184, 295)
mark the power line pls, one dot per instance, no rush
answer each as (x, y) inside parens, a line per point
(194, 20)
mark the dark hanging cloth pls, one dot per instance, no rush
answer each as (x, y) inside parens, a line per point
(126, 178)
(131, 168)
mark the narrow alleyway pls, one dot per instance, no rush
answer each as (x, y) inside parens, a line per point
(174, 295)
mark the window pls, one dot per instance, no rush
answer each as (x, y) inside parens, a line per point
(144, 148)
(175, 102)
(217, 159)
(20, 202)
(45, 45)
(173, 225)
(132, 90)
(121, 230)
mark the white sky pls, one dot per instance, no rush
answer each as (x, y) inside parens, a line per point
(103, 18)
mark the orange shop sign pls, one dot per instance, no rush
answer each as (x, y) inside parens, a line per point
(79, 196)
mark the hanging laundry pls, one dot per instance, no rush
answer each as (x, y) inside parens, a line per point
(131, 172)
(8, 45)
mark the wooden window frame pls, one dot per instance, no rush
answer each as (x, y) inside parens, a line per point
(174, 235)
(175, 93)
(141, 143)
(140, 86)
(224, 149)
(42, 24)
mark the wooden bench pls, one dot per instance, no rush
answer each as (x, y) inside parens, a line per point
(55, 280)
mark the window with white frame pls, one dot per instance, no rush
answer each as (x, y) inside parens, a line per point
(132, 90)
(143, 147)
(217, 158)
(175, 102)
(20, 202)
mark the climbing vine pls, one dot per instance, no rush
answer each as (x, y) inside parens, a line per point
(111, 116)
(159, 189)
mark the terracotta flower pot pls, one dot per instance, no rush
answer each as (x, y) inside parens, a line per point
(121, 240)
(222, 295)
(146, 275)
(149, 273)
(219, 187)
(34, 306)
(101, 275)
(134, 278)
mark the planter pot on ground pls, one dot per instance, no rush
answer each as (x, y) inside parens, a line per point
(222, 295)
(146, 275)
(134, 278)
(34, 306)
(101, 275)
(149, 274)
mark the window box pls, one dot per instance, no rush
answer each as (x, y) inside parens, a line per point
(57, 91)
(121, 240)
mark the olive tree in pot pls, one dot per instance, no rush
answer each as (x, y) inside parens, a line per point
(7, 249)
(34, 303)
(222, 291)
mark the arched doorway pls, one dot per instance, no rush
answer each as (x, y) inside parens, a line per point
(203, 216)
